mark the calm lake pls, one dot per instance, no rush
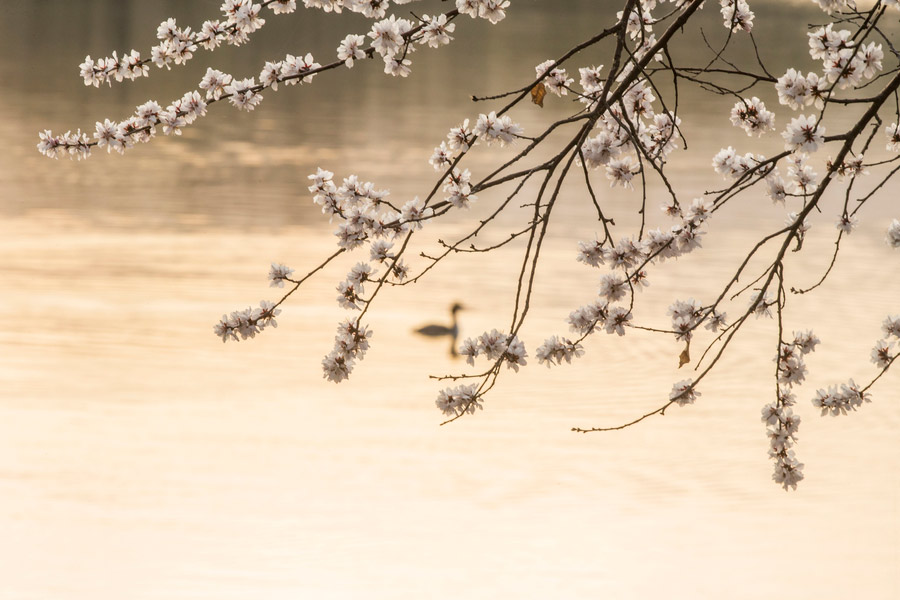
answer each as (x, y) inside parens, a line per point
(140, 458)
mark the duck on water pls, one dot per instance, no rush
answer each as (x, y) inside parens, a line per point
(435, 330)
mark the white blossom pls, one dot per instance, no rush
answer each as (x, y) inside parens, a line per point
(336, 367)
(558, 350)
(492, 128)
(882, 353)
(620, 171)
(293, 69)
(350, 49)
(278, 274)
(891, 326)
(762, 307)
(684, 393)
(737, 15)
(459, 400)
(590, 253)
(804, 134)
(556, 81)
(460, 138)
(617, 318)
(242, 95)
(282, 7)
(847, 223)
(893, 234)
(437, 30)
(414, 213)
(751, 115)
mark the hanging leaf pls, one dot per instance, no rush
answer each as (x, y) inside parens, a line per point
(537, 94)
(685, 356)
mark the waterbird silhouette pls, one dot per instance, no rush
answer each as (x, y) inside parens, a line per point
(435, 330)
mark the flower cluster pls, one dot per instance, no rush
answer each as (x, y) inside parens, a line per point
(893, 234)
(796, 91)
(781, 428)
(728, 163)
(751, 116)
(177, 45)
(459, 400)
(248, 322)
(596, 316)
(558, 350)
(781, 423)
(687, 315)
(391, 38)
(278, 274)
(555, 80)
(631, 256)
(843, 62)
(492, 128)
(737, 15)
(492, 10)
(350, 290)
(626, 131)
(350, 345)
(683, 393)
(140, 127)
(849, 396)
(840, 400)
(361, 209)
(495, 346)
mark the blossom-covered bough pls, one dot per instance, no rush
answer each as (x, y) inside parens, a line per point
(623, 129)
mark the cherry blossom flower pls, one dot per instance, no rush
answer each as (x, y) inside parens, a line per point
(397, 68)
(555, 81)
(336, 367)
(893, 135)
(437, 30)
(788, 470)
(460, 138)
(283, 7)
(761, 304)
(684, 393)
(839, 401)
(414, 213)
(558, 350)
(350, 49)
(617, 318)
(242, 95)
(294, 67)
(882, 353)
(893, 234)
(459, 400)
(737, 15)
(891, 326)
(751, 116)
(847, 223)
(492, 128)
(620, 171)
(590, 253)
(278, 274)
(804, 134)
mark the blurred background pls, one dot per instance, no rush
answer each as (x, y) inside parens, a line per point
(141, 458)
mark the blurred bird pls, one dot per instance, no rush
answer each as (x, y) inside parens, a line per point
(435, 330)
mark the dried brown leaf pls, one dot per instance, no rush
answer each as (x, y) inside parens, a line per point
(685, 356)
(537, 94)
